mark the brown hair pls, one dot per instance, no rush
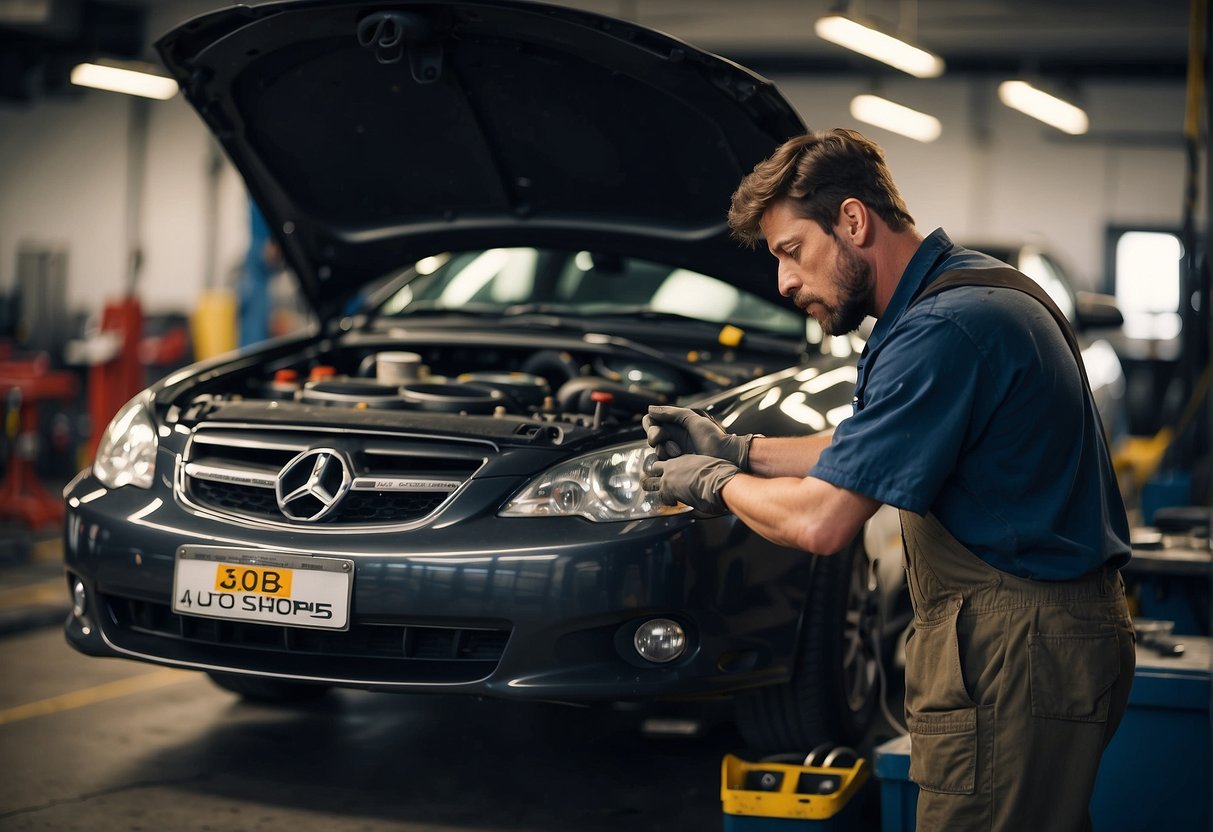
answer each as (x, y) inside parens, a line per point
(817, 172)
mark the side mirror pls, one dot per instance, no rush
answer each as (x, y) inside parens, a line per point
(1097, 311)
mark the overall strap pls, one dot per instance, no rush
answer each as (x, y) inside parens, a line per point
(1008, 278)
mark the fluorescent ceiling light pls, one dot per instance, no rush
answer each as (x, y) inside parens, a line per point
(881, 112)
(128, 77)
(868, 40)
(1063, 115)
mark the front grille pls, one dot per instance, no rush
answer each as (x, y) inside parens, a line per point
(388, 507)
(380, 508)
(391, 480)
(243, 498)
(365, 652)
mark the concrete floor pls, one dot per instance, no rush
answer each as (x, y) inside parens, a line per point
(98, 744)
(109, 744)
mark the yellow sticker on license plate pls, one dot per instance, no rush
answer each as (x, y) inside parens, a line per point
(263, 587)
(273, 582)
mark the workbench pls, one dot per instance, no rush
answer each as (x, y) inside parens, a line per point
(1170, 578)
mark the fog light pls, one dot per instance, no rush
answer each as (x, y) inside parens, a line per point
(660, 640)
(79, 599)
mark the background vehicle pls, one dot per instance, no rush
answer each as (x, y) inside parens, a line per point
(1093, 316)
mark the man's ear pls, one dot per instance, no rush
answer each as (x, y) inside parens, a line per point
(853, 221)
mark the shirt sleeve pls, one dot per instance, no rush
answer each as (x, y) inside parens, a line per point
(906, 439)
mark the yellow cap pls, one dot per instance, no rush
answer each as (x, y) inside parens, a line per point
(730, 336)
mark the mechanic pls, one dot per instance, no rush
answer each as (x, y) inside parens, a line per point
(973, 417)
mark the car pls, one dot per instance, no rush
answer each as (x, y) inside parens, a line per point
(509, 221)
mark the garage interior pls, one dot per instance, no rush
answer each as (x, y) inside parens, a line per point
(126, 233)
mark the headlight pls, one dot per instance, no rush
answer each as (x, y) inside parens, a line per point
(601, 486)
(127, 452)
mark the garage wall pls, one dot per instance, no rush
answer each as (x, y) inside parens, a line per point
(994, 174)
(64, 181)
(997, 175)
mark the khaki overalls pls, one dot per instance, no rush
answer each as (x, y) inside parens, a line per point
(1013, 686)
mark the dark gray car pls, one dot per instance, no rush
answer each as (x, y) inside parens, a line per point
(509, 220)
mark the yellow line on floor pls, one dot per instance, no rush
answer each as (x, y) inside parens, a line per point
(90, 696)
(39, 593)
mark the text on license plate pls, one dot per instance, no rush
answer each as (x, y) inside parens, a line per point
(290, 590)
(272, 582)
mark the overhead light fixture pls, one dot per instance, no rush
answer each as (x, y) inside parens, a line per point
(872, 109)
(1022, 96)
(130, 77)
(866, 39)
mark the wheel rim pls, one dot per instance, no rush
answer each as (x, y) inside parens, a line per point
(859, 623)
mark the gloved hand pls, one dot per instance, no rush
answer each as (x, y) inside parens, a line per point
(693, 479)
(680, 430)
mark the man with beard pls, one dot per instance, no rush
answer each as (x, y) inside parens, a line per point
(972, 416)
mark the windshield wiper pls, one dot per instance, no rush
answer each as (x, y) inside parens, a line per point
(557, 315)
(561, 315)
(646, 313)
(530, 314)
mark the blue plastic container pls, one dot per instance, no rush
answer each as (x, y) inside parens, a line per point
(1156, 772)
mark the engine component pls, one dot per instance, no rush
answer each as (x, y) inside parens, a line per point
(576, 396)
(555, 366)
(353, 393)
(453, 397)
(527, 390)
(399, 367)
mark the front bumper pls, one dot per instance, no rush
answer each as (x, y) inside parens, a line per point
(541, 608)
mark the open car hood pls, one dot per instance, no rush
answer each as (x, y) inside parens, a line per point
(372, 134)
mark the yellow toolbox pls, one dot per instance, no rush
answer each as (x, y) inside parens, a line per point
(771, 796)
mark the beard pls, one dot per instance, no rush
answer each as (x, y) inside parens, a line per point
(856, 292)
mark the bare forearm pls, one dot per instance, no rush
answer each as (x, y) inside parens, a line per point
(801, 512)
(790, 456)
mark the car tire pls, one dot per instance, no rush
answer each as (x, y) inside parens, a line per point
(835, 688)
(262, 689)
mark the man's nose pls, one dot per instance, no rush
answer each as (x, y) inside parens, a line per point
(789, 280)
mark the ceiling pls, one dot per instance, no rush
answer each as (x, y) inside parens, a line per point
(41, 39)
(1082, 37)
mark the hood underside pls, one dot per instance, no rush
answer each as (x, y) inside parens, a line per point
(374, 134)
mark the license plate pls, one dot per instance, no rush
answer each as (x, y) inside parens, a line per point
(265, 587)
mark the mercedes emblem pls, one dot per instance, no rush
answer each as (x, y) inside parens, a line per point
(311, 485)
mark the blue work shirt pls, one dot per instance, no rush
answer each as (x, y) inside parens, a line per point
(970, 405)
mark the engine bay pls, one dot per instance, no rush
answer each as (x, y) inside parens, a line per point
(587, 384)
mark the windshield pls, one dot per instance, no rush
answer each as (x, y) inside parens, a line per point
(581, 284)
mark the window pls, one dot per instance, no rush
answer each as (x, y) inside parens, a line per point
(1146, 268)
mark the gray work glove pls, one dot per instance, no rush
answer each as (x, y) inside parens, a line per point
(680, 430)
(693, 479)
